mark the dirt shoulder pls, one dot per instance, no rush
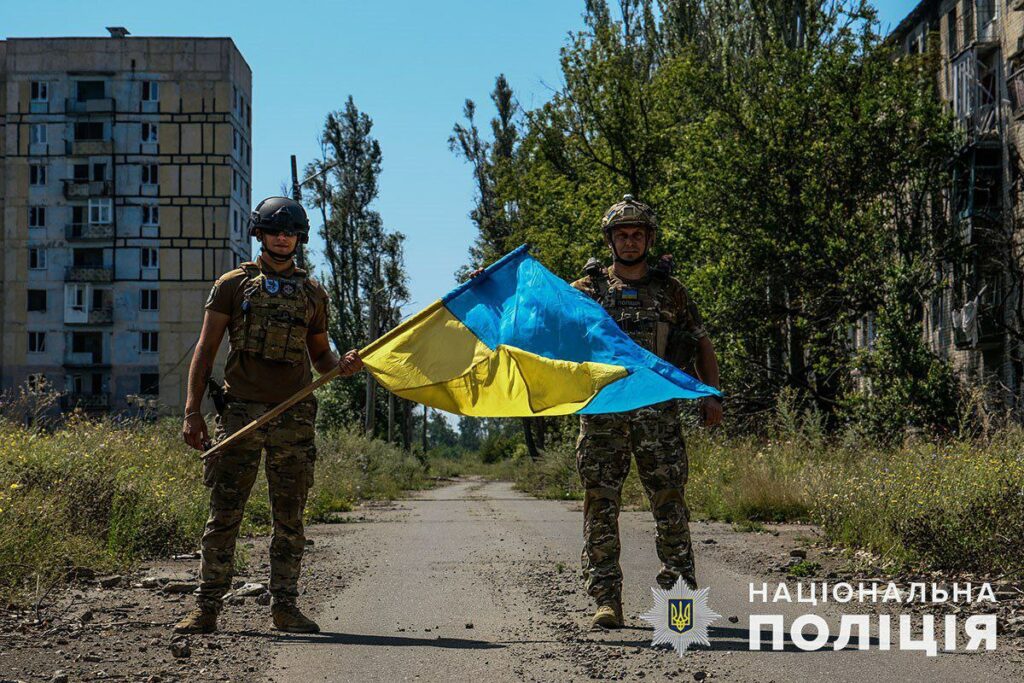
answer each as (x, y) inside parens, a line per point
(465, 581)
(119, 627)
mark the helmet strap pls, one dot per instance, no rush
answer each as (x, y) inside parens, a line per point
(278, 258)
(633, 261)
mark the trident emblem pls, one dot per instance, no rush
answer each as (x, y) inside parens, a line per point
(680, 617)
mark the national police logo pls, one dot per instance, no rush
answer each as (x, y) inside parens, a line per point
(680, 616)
(272, 286)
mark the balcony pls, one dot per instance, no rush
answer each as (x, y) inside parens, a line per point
(82, 148)
(989, 333)
(87, 402)
(978, 324)
(88, 274)
(99, 105)
(1015, 89)
(85, 359)
(97, 316)
(976, 105)
(83, 189)
(89, 231)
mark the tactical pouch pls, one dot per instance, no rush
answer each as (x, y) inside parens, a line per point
(284, 342)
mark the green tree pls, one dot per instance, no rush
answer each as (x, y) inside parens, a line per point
(797, 168)
(365, 274)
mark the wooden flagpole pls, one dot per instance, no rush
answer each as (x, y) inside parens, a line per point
(274, 412)
(307, 390)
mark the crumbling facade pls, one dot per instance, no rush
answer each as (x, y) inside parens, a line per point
(977, 319)
(125, 168)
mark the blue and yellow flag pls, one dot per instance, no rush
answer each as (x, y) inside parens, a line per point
(518, 341)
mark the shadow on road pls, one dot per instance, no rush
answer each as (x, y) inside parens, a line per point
(736, 640)
(325, 638)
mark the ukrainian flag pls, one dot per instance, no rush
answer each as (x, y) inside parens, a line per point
(517, 341)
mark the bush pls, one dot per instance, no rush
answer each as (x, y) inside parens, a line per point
(952, 505)
(496, 448)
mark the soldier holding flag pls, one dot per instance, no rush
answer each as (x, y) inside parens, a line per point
(275, 316)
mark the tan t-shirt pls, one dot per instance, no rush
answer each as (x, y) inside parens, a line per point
(248, 376)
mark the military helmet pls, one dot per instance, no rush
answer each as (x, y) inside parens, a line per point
(280, 214)
(629, 212)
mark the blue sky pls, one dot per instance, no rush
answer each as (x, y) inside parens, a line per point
(408, 64)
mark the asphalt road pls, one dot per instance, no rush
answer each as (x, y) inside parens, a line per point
(476, 582)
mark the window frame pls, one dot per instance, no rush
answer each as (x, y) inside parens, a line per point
(150, 174)
(38, 134)
(39, 339)
(149, 341)
(104, 208)
(37, 175)
(151, 215)
(37, 216)
(38, 87)
(39, 253)
(147, 263)
(150, 91)
(149, 299)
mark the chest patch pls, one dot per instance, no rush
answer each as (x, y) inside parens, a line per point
(628, 296)
(272, 286)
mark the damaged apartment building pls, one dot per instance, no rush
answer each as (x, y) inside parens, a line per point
(125, 167)
(976, 320)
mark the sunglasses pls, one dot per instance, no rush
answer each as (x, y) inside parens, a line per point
(273, 232)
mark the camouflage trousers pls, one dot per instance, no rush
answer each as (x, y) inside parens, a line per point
(291, 455)
(606, 442)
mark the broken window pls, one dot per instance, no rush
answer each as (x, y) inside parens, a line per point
(89, 130)
(90, 90)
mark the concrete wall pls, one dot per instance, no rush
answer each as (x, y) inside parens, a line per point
(200, 189)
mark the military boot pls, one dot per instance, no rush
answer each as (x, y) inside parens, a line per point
(288, 618)
(668, 580)
(608, 615)
(202, 619)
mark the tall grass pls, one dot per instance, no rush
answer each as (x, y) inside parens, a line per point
(102, 495)
(952, 505)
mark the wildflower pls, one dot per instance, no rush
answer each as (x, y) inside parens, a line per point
(15, 485)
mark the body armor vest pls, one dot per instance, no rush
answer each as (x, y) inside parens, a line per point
(275, 316)
(639, 309)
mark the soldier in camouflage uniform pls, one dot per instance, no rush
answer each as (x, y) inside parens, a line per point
(653, 308)
(276, 320)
